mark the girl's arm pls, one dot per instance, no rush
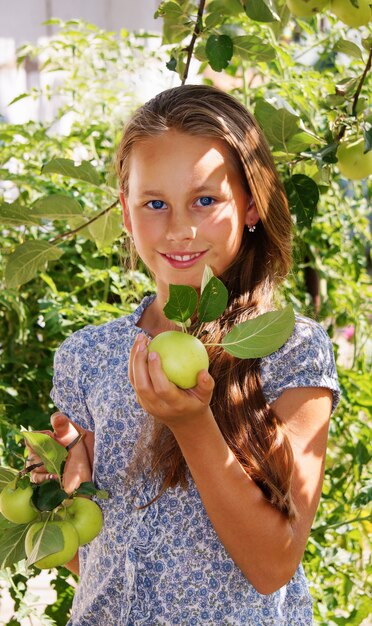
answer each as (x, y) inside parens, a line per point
(262, 542)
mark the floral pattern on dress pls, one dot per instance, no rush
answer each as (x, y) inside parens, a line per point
(164, 564)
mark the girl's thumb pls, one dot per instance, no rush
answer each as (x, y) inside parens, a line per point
(61, 425)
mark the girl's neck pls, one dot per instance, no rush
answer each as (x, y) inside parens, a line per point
(153, 320)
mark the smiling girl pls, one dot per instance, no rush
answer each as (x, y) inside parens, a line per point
(233, 468)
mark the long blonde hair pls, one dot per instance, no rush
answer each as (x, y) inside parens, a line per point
(250, 427)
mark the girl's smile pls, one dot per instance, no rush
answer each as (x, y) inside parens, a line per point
(186, 207)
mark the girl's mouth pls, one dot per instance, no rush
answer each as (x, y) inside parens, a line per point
(181, 260)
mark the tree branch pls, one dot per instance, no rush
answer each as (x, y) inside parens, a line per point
(93, 219)
(190, 47)
(357, 94)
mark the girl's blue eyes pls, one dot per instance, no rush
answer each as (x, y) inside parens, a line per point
(159, 204)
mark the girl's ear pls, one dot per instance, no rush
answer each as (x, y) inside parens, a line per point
(251, 216)
(126, 215)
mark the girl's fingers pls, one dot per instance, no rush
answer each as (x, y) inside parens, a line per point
(140, 375)
(160, 382)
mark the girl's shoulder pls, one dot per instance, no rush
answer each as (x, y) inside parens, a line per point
(305, 360)
(105, 336)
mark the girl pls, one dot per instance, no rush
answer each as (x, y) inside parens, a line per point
(213, 490)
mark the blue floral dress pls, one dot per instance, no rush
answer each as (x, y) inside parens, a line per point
(164, 564)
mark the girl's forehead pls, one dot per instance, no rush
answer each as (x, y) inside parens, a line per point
(179, 149)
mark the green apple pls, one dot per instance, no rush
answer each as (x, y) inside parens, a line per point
(182, 357)
(306, 8)
(86, 517)
(70, 539)
(350, 14)
(353, 163)
(16, 505)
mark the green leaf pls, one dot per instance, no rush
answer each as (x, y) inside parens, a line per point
(279, 125)
(213, 300)
(106, 229)
(56, 207)
(50, 451)
(261, 10)
(6, 475)
(172, 64)
(48, 540)
(219, 50)
(348, 47)
(24, 263)
(260, 336)
(48, 495)
(207, 275)
(253, 48)
(367, 133)
(303, 197)
(181, 304)
(16, 215)
(12, 542)
(67, 167)
(89, 489)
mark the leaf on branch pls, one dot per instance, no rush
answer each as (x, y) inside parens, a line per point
(66, 167)
(348, 47)
(367, 133)
(213, 300)
(12, 542)
(50, 451)
(89, 489)
(56, 207)
(6, 475)
(48, 495)
(106, 229)
(27, 259)
(303, 197)
(16, 215)
(181, 304)
(260, 336)
(48, 540)
(261, 10)
(219, 50)
(253, 48)
(279, 125)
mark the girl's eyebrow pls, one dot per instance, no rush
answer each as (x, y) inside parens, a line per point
(157, 192)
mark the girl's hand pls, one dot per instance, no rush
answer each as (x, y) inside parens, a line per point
(161, 398)
(77, 468)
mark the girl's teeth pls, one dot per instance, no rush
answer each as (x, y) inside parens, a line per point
(185, 257)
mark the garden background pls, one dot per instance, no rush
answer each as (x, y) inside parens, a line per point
(64, 254)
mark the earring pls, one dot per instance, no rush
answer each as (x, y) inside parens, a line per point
(252, 228)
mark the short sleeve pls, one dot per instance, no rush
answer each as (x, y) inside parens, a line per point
(68, 392)
(305, 360)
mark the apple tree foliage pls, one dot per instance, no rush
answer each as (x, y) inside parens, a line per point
(65, 259)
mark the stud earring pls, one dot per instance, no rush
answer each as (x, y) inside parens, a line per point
(252, 228)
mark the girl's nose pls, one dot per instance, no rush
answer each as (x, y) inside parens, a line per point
(180, 228)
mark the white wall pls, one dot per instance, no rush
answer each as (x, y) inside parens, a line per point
(21, 20)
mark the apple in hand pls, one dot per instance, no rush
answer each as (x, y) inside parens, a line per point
(86, 517)
(351, 15)
(182, 356)
(66, 554)
(353, 163)
(306, 8)
(16, 505)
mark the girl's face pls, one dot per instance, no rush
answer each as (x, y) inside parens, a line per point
(186, 207)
